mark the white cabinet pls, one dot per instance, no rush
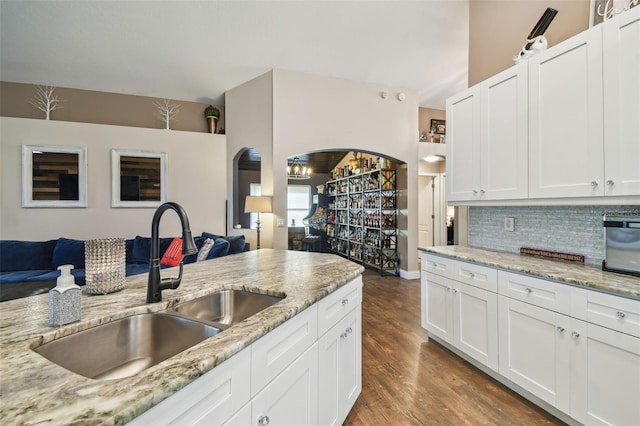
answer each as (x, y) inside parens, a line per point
(340, 352)
(340, 382)
(531, 341)
(565, 118)
(487, 139)
(459, 313)
(605, 386)
(504, 135)
(292, 397)
(621, 60)
(463, 145)
(208, 400)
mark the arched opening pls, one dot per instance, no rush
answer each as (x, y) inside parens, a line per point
(342, 206)
(247, 168)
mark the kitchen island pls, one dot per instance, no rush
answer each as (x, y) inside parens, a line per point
(35, 390)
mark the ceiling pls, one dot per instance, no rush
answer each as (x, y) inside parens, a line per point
(320, 162)
(196, 50)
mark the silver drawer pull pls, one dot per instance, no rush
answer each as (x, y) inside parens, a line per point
(471, 275)
(610, 182)
(345, 302)
(349, 330)
(575, 334)
(594, 184)
(560, 328)
(343, 335)
(619, 315)
(455, 290)
(528, 290)
(263, 420)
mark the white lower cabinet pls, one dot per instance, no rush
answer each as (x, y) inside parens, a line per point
(576, 349)
(276, 380)
(462, 315)
(532, 343)
(292, 398)
(340, 366)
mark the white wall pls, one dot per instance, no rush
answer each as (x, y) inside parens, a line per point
(196, 172)
(311, 113)
(249, 121)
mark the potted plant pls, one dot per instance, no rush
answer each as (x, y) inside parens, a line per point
(212, 114)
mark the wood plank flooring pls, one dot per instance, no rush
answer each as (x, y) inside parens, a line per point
(410, 380)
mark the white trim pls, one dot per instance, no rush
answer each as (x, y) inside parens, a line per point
(27, 176)
(409, 275)
(115, 177)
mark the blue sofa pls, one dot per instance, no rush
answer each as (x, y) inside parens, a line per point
(33, 265)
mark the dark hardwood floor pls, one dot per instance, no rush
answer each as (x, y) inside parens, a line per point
(410, 380)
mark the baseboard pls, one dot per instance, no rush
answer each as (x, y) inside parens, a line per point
(409, 275)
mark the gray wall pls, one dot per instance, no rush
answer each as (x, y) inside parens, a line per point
(567, 229)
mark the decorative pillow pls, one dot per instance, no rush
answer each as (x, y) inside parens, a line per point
(236, 243)
(173, 255)
(142, 248)
(205, 249)
(26, 255)
(212, 236)
(68, 252)
(193, 257)
(220, 248)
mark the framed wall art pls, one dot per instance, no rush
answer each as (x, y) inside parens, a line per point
(138, 178)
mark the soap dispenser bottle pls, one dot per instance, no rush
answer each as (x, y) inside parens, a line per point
(64, 299)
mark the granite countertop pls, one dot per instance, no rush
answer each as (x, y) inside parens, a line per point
(33, 390)
(564, 272)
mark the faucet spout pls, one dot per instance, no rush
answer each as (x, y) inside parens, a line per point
(155, 284)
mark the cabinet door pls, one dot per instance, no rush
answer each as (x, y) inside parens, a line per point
(212, 398)
(605, 388)
(504, 135)
(292, 397)
(340, 378)
(438, 312)
(621, 47)
(463, 146)
(476, 323)
(565, 119)
(533, 350)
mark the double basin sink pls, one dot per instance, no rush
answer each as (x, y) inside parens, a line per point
(127, 346)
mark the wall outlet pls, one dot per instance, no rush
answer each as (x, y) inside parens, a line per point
(281, 223)
(509, 224)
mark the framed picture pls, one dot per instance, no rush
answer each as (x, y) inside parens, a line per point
(438, 126)
(138, 178)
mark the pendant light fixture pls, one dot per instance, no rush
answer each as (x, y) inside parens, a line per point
(296, 170)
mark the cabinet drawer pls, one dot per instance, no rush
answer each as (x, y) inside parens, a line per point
(543, 293)
(220, 393)
(335, 306)
(438, 265)
(476, 275)
(277, 350)
(614, 312)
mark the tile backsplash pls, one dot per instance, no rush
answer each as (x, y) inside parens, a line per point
(575, 230)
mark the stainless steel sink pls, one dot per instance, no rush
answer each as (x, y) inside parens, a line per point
(225, 308)
(127, 346)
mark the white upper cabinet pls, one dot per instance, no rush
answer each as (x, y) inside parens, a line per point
(503, 141)
(565, 119)
(463, 145)
(487, 139)
(621, 59)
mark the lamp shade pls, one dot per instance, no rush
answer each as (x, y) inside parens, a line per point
(258, 204)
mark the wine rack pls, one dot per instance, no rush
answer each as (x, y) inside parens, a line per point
(362, 219)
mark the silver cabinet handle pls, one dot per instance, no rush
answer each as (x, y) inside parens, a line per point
(594, 184)
(472, 275)
(475, 192)
(349, 330)
(345, 302)
(575, 334)
(343, 335)
(610, 182)
(263, 420)
(560, 328)
(619, 315)
(528, 290)
(482, 191)
(455, 290)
